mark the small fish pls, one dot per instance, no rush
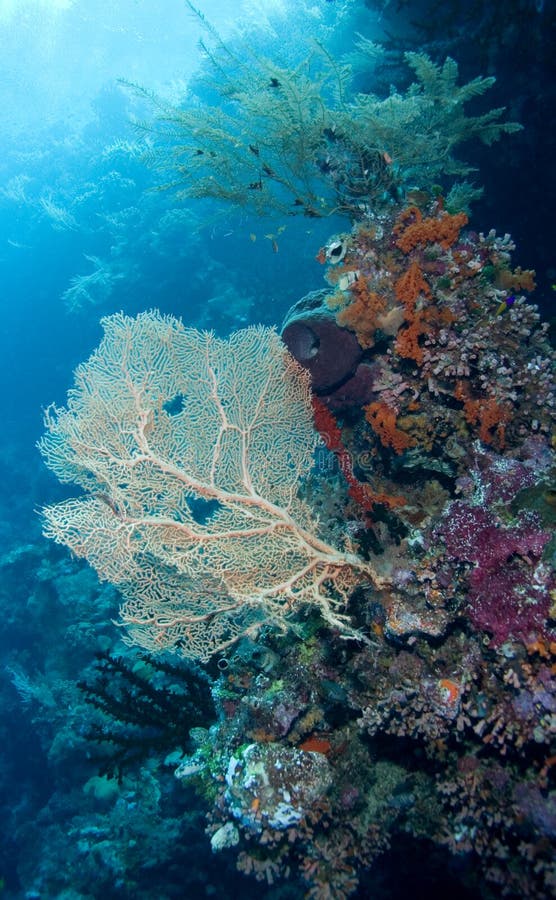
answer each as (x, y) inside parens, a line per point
(549, 496)
(506, 303)
(252, 237)
(17, 245)
(274, 83)
(272, 239)
(417, 197)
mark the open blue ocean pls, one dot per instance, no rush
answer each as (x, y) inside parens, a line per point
(277, 478)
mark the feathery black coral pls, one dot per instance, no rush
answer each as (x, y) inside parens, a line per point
(295, 138)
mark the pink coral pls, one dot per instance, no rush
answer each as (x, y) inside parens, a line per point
(508, 586)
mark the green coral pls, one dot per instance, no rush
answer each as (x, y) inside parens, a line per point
(297, 139)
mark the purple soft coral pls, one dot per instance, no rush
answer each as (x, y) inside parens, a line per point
(509, 585)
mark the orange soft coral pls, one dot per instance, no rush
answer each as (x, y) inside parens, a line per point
(331, 434)
(413, 290)
(410, 285)
(382, 419)
(490, 415)
(408, 288)
(407, 340)
(413, 230)
(363, 313)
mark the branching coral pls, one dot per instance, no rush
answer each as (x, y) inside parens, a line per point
(295, 137)
(145, 705)
(93, 288)
(191, 449)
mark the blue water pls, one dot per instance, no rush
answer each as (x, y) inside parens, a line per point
(74, 200)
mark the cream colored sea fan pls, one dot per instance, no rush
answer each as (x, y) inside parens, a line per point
(190, 449)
